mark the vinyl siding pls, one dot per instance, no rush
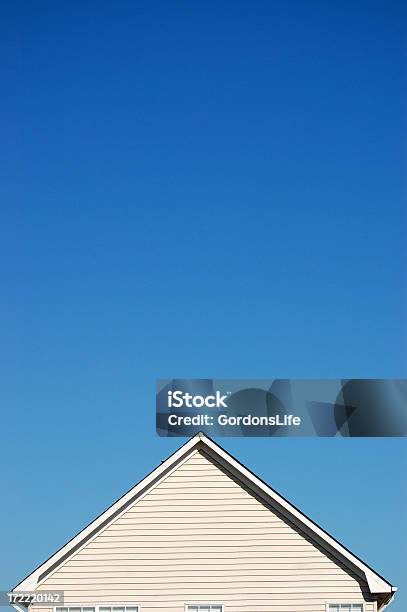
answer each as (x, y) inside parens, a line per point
(200, 536)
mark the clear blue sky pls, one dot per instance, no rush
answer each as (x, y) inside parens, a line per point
(197, 189)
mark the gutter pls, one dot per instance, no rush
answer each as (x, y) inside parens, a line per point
(387, 600)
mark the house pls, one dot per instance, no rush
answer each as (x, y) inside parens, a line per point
(201, 533)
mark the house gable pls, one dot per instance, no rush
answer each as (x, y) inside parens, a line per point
(200, 535)
(202, 528)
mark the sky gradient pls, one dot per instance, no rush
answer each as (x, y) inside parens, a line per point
(197, 189)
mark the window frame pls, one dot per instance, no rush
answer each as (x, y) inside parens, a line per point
(200, 603)
(345, 602)
(101, 605)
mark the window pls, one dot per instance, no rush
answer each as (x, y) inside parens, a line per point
(117, 609)
(204, 608)
(345, 607)
(77, 609)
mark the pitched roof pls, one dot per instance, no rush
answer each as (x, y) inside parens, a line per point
(376, 583)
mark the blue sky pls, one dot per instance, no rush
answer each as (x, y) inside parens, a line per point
(197, 189)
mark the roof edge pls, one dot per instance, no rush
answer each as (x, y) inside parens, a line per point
(376, 583)
(30, 581)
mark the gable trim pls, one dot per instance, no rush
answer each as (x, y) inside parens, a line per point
(376, 583)
(145, 485)
(139, 496)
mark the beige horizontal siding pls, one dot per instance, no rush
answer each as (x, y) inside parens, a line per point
(199, 536)
(217, 573)
(221, 577)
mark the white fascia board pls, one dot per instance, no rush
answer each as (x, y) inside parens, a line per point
(375, 582)
(30, 582)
